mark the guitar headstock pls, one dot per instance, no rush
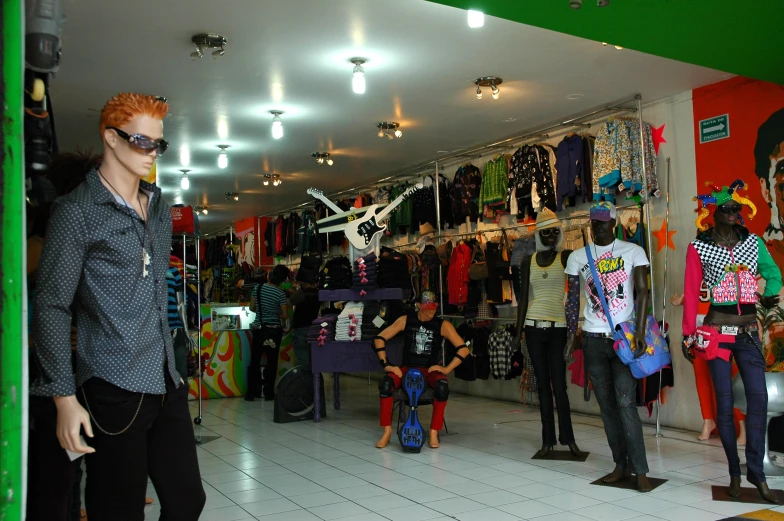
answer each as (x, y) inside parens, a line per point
(314, 192)
(413, 189)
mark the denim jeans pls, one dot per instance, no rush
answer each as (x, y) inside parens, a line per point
(545, 347)
(616, 390)
(751, 367)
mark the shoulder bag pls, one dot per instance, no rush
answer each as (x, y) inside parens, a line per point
(656, 355)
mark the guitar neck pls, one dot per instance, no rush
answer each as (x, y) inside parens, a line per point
(323, 198)
(391, 206)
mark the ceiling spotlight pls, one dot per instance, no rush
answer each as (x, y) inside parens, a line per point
(488, 81)
(274, 177)
(185, 183)
(389, 129)
(619, 47)
(476, 19)
(602, 3)
(277, 124)
(201, 210)
(358, 81)
(232, 196)
(575, 4)
(223, 157)
(322, 157)
(207, 41)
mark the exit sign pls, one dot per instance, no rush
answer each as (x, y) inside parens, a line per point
(714, 129)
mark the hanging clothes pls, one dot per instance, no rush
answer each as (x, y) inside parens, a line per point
(612, 159)
(424, 206)
(569, 163)
(493, 191)
(280, 234)
(586, 183)
(465, 193)
(457, 276)
(445, 202)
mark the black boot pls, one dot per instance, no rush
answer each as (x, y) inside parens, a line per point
(764, 491)
(575, 450)
(544, 451)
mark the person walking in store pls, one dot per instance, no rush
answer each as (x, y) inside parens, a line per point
(623, 270)
(306, 308)
(542, 317)
(105, 260)
(423, 334)
(271, 305)
(728, 259)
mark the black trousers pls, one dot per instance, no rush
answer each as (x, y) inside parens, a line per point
(51, 475)
(254, 369)
(546, 347)
(271, 350)
(158, 443)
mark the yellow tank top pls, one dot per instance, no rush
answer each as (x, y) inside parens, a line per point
(547, 290)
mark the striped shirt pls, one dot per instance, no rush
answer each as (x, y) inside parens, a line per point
(269, 299)
(174, 285)
(548, 287)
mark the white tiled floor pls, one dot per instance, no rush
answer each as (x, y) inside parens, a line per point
(483, 471)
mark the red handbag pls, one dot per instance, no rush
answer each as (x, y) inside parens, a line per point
(705, 344)
(183, 220)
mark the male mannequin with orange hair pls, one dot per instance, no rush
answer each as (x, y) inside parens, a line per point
(104, 261)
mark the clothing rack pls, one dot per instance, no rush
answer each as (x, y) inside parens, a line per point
(197, 240)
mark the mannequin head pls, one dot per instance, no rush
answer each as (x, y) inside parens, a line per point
(603, 221)
(132, 132)
(548, 232)
(726, 215)
(428, 306)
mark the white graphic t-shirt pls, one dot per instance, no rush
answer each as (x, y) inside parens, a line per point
(615, 264)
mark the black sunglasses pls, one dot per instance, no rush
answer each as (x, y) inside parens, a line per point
(547, 232)
(142, 143)
(729, 210)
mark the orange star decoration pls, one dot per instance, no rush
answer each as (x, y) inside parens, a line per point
(664, 238)
(658, 137)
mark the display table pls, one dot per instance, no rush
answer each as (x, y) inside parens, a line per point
(347, 357)
(334, 295)
(224, 346)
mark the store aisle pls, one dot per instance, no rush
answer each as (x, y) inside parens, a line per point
(255, 469)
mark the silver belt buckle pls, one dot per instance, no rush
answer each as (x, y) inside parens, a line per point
(544, 324)
(730, 330)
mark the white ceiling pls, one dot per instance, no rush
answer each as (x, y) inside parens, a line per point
(293, 56)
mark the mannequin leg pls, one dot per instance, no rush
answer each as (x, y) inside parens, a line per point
(539, 344)
(557, 369)
(386, 387)
(706, 396)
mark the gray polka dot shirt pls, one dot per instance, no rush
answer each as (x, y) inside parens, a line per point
(91, 266)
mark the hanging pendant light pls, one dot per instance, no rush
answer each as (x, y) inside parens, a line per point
(223, 157)
(277, 124)
(185, 183)
(358, 79)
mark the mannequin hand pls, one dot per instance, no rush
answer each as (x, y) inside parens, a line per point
(394, 370)
(71, 417)
(687, 352)
(571, 345)
(676, 299)
(438, 369)
(639, 344)
(768, 302)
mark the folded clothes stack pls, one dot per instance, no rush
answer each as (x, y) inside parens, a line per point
(322, 329)
(393, 270)
(365, 273)
(349, 324)
(372, 310)
(336, 274)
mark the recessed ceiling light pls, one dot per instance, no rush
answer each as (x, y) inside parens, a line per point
(476, 18)
(509, 120)
(574, 97)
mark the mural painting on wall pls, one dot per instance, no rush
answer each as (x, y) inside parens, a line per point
(739, 134)
(246, 234)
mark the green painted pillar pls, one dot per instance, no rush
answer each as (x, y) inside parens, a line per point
(13, 331)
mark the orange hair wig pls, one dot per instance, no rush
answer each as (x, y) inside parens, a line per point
(125, 106)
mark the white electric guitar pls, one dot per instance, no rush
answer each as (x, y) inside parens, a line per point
(337, 221)
(360, 232)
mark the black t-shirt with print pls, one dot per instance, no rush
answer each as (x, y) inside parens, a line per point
(422, 342)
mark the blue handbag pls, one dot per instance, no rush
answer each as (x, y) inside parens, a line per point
(657, 353)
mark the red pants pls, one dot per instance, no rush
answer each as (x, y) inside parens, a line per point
(437, 421)
(705, 391)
